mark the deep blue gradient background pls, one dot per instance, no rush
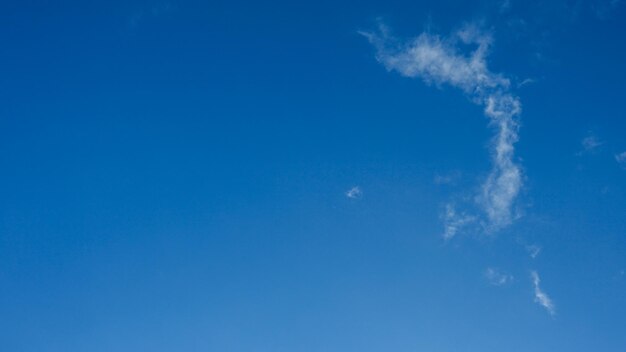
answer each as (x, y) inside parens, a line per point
(173, 179)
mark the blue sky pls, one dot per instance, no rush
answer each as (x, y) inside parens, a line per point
(313, 176)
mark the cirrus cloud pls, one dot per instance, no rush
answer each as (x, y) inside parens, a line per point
(540, 296)
(440, 61)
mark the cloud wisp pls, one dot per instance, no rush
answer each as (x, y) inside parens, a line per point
(533, 250)
(590, 144)
(540, 296)
(455, 221)
(440, 61)
(447, 179)
(354, 192)
(497, 277)
(621, 159)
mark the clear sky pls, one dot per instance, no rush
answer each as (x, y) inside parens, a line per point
(397, 176)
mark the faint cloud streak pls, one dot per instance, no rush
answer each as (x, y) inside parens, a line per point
(621, 159)
(354, 193)
(437, 60)
(455, 222)
(447, 179)
(590, 144)
(533, 250)
(540, 296)
(496, 277)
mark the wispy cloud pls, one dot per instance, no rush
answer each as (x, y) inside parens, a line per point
(439, 60)
(590, 144)
(533, 250)
(447, 179)
(505, 6)
(455, 222)
(526, 82)
(621, 159)
(540, 296)
(497, 277)
(354, 192)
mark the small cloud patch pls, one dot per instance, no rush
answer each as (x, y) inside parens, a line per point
(533, 250)
(497, 277)
(540, 296)
(621, 159)
(455, 222)
(590, 144)
(354, 193)
(447, 179)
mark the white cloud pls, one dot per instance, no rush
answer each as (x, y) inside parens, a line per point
(447, 179)
(354, 193)
(505, 6)
(439, 61)
(436, 60)
(497, 277)
(590, 143)
(621, 159)
(540, 296)
(533, 250)
(505, 180)
(454, 222)
(526, 82)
